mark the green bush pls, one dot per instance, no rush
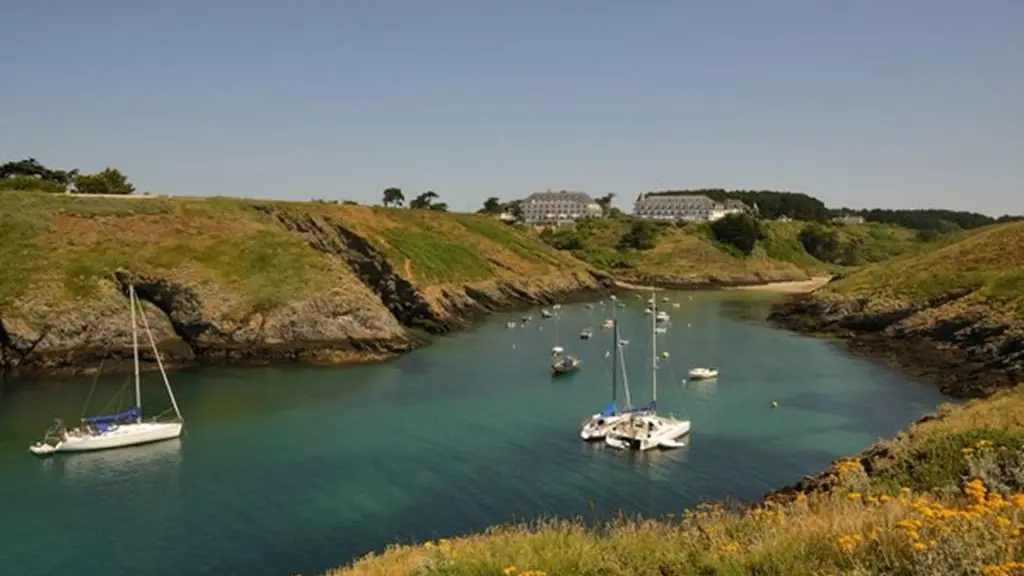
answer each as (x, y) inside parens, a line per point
(740, 231)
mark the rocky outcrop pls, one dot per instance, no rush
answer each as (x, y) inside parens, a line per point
(435, 309)
(195, 324)
(369, 265)
(960, 343)
(372, 312)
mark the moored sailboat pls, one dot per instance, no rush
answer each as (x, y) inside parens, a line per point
(125, 428)
(646, 430)
(596, 426)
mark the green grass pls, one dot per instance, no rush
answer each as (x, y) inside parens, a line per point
(990, 260)
(60, 246)
(435, 259)
(691, 250)
(515, 240)
(947, 500)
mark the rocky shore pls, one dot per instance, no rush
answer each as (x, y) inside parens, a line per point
(968, 351)
(968, 354)
(191, 327)
(359, 305)
(709, 282)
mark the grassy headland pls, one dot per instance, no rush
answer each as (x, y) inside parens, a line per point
(953, 311)
(261, 280)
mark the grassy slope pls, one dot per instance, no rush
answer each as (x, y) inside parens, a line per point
(54, 248)
(989, 263)
(691, 251)
(916, 513)
(989, 259)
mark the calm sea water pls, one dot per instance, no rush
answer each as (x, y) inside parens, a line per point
(295, 469)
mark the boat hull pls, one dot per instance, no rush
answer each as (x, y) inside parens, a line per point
(668, 434)
(122, 436)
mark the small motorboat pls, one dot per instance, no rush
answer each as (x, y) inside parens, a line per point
(586, 333)
(545, 313)
(660, 330)
(510, 324)
(703, 373)
(564, 364)
(557, 350)
(556, 307)
(662, 317)
(608, 324)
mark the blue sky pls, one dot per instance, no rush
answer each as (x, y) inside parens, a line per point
(862, 103)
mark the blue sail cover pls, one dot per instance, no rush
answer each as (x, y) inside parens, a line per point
(647, 408)
(613, 409)
(131, 414)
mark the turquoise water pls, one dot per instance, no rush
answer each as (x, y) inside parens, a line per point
(299, 469)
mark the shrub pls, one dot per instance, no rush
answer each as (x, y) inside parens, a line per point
(740, 231)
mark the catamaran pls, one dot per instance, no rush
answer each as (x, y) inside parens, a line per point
(646, 430)
(117, 430)
(597, 426)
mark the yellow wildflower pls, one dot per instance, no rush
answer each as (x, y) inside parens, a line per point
(509, 570)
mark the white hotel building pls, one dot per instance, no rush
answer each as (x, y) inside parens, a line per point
(684, 208)
(558, 208)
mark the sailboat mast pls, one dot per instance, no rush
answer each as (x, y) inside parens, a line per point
(159, 362)
(615, 349)
(654, 346)
(135, 351)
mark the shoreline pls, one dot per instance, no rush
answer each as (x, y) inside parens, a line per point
(366, 351)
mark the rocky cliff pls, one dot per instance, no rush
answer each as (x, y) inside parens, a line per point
(240, 281)
(953, 313)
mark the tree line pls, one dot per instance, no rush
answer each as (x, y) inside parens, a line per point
(30, 174)
(928, 220)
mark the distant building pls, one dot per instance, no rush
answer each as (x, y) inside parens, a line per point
(849, 219)
(684, 208)
(559, 208)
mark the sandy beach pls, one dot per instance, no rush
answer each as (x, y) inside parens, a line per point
(798, 287)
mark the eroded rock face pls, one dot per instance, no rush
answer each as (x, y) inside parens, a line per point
(956, 341)
(367, 317)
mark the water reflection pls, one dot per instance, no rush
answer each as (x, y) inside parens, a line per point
(158, 458)
(701, 389)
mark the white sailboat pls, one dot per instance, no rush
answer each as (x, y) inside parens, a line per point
(117, 430)
(597, 426)
(643, 431)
